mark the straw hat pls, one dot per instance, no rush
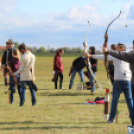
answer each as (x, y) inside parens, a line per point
(9, 42)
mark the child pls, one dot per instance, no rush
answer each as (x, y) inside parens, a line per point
(58, 67)
(14, 64)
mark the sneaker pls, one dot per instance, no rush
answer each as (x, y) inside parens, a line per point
(110, 121)
(34, 104)
(92, 91)
(130, 130)
(21, 105)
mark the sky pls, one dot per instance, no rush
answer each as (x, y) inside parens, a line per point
(58, 23)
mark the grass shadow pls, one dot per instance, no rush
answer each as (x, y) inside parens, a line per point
(44, 89)
(48, 127)
(65, 94)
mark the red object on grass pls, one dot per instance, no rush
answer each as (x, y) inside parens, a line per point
(96, 102)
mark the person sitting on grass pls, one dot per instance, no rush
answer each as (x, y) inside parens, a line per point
(14, 65)
(77, 66)
(122, 82)
(58, 68)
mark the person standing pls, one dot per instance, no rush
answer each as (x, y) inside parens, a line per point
(77, 66)
(93, 63)
(27, 61)
(58, 67)
(6, 57)
(14, 65)
(122, 83)
(111, 66)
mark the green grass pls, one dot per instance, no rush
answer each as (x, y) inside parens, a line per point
(59, 111)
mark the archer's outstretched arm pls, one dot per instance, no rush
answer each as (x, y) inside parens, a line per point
(126, 56)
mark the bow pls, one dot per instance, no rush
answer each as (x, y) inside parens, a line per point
(106, 40)
(89, 65)
(11, 73)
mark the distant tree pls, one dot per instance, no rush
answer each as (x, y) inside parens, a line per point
(66, 49)
(41, 49)
(16, 44)
(29, 48)
(52, 49)
(34, 49)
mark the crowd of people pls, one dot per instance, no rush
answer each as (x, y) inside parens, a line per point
(77, 67)
(120, 71)
(19, 64)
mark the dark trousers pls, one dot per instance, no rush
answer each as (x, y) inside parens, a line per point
(12, 87)
(61, 80)
(133, 104)
(23, 90)
(111, 75)
(118, 88)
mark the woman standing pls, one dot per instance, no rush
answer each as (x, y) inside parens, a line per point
(58, 67)
(93, 63)
(14, 65)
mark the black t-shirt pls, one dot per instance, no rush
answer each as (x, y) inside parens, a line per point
(79, 63)
(94, 64)
(4, 59)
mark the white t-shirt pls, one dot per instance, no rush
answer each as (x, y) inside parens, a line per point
(122, 70)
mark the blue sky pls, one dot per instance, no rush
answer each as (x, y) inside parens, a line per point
(60, 23)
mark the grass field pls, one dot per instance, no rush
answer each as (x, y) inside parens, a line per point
(59, 111)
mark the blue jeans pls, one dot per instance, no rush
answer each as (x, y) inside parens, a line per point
(23, 89)
(12, 87)
(118, 88)
(73, 76)
(133, 104)
(91, 78)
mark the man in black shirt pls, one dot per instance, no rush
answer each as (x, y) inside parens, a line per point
(6, 57)
(77, 66)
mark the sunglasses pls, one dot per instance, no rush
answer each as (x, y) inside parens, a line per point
(8, 43)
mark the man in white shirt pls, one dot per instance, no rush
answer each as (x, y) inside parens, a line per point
(27, 61)
(122, 82)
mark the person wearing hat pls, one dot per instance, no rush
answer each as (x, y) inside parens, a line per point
(6, 57)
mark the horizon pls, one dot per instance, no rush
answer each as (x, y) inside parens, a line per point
(58, 23)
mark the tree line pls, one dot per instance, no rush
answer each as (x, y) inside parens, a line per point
(42, 49)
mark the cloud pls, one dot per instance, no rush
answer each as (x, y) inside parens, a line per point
(61, 28)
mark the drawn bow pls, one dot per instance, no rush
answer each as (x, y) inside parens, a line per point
(106, 40)
(89, 65)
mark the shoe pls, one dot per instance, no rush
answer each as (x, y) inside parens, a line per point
(92, 91)
(34, 104)
(21, 105)
(61, 88)
(110, 121)
(70, 87)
